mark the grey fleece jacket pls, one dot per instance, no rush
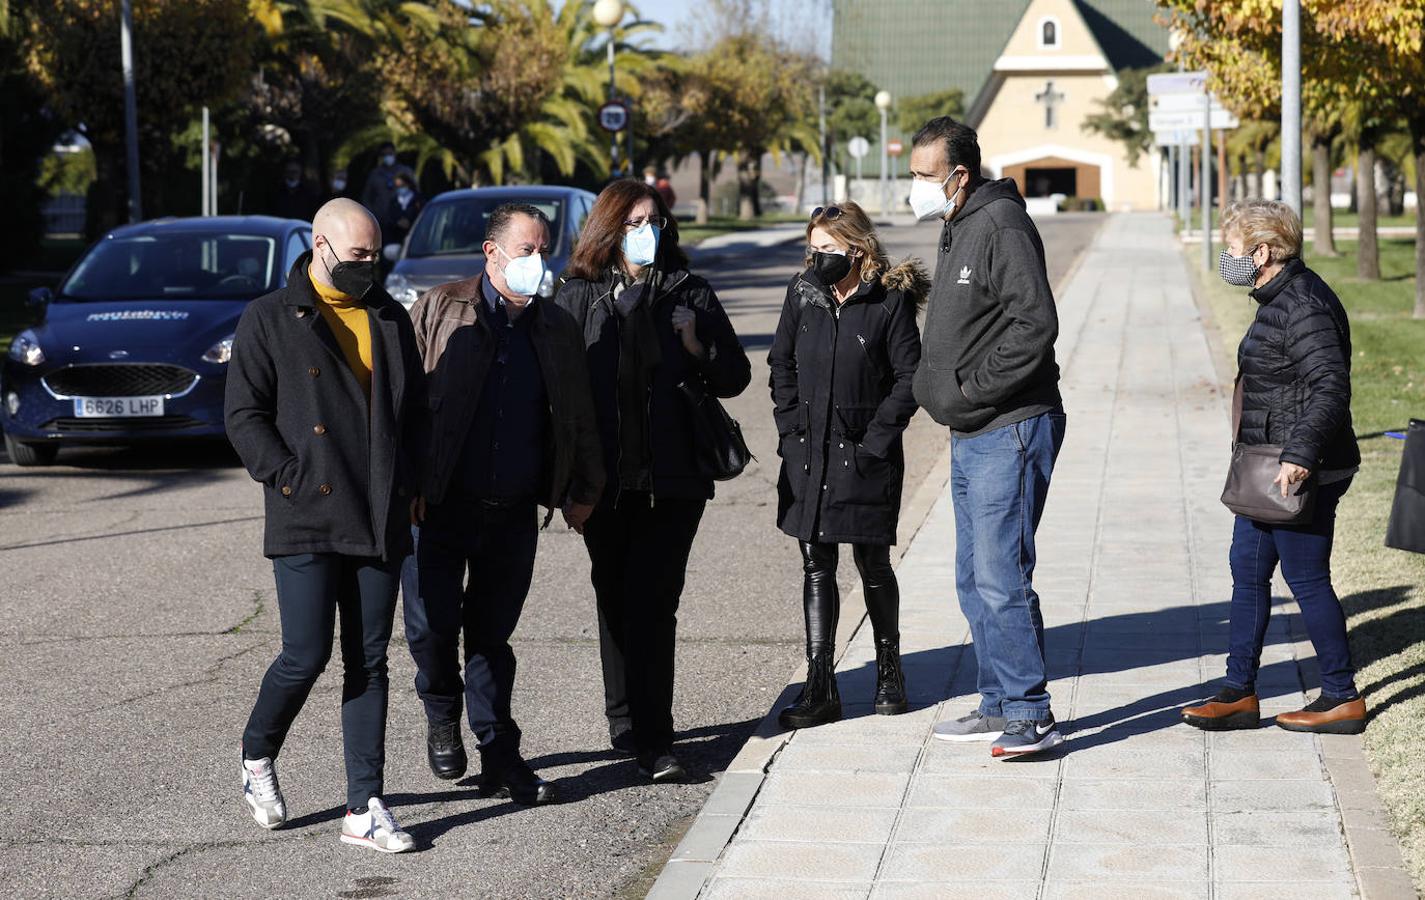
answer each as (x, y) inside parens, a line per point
(987, 357)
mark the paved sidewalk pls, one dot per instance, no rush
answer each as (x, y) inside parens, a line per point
(1134, 583)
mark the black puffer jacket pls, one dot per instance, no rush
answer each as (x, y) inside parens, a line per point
(842, 397)
(1295, 365)
(672, 469)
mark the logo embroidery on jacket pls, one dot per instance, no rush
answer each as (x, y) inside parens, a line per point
(964, 276)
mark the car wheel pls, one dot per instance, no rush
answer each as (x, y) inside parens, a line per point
(30, 454)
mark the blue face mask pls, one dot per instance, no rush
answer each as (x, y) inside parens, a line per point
(640, 246)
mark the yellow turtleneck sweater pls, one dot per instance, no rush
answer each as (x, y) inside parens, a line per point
(352, 327)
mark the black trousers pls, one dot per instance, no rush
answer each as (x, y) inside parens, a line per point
(639, 555)
(313, 589)
(496, 545)
(821, 599)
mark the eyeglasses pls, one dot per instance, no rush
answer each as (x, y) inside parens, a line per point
(827, 212)
(659, 222)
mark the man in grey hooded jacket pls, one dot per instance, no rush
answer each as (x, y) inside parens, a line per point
(987, 371)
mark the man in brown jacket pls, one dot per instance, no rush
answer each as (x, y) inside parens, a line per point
(510, 426)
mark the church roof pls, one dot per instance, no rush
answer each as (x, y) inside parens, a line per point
(1126, 31)
(913, 47)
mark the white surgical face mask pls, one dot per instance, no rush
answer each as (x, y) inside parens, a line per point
(388, 159)
(338, 184)
(640, 246)
(927, 199)
(523, 274)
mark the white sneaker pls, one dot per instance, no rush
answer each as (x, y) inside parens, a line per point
(262, 793)
(376, 828)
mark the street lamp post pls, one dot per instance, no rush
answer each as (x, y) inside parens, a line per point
(131, 108)
(1291, 107)
(608, 13)
(883, 103)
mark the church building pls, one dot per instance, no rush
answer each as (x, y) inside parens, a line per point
(1031, 72)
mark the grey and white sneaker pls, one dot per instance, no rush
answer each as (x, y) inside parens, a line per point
(376, 829)
(974, 727)
(1022, 737)
(262, 793)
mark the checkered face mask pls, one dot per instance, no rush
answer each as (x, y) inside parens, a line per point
(1238, 271)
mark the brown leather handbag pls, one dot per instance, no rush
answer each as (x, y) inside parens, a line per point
(1251, 490)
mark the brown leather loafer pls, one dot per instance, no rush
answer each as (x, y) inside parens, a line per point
(1218, 715)
(1326, 715)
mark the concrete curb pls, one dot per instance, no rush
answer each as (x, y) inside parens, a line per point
(693, 860)
(1375, 853)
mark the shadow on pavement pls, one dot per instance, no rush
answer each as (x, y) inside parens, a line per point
(1168, 636)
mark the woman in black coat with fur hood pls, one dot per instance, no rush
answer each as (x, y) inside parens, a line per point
(842, 361)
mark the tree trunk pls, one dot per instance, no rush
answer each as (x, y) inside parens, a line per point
(704, 186)
(1325, 241)
(1368, 251)
(749, 185)
(1417, 142)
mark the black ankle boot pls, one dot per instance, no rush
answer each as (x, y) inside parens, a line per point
(819, 702)
(445, 751)
(504, 773)
(890, 679)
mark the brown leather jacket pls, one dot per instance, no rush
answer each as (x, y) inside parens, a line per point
(458, 347)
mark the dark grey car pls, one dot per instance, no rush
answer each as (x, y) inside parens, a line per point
(444, 244)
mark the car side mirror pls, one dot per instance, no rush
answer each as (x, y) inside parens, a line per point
(391, 252)
(38, 301)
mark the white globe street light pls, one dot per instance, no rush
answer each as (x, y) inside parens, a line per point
(607, 14)
(883, 103)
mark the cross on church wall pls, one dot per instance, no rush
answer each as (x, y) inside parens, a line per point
(1050, 98)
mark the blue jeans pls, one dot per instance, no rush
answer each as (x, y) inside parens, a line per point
(1304, 552)
(999, 481)
(313, 590)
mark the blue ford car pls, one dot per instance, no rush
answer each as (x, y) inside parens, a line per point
(135, 342)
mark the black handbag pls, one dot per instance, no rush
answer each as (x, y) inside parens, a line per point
(1406, 530)
(722, 454)
(1251, 490)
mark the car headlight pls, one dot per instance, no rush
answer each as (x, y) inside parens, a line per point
(25, 349)
(401, 290)
(220, 352)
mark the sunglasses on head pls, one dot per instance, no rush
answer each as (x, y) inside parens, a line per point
(827, 212)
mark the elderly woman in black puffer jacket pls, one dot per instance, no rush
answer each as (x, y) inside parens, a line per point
(842, 362)
(1295, 373)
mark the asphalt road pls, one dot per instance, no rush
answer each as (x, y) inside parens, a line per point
(138, 615)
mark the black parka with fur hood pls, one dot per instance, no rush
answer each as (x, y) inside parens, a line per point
(842, 397)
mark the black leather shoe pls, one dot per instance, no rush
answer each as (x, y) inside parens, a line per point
(445, 751)
(504, 773)
(890, 679)
(623, 743)
(819, 701)
(662, 768)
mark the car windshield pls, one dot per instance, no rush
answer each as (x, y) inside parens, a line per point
(451, 227)
(189, 266)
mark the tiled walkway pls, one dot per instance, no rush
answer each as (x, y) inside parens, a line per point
(1134, 583)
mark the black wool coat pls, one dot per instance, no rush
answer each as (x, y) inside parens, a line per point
(337, 469)
(1295, 367)
(842, 397)
(673, 471)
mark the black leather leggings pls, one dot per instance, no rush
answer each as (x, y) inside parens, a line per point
(822, 600)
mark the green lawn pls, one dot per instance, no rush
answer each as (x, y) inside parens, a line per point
(1383, 590)
(1340, 219)
(690, 234)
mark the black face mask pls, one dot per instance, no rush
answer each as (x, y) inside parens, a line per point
(830, 268)
(355, 279)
